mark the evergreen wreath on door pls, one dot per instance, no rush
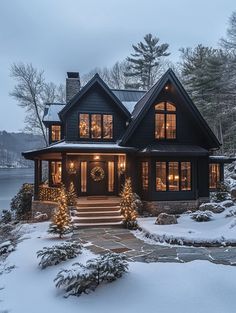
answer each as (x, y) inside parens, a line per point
(97, 173)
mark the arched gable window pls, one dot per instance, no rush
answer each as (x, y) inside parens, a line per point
(165, 120)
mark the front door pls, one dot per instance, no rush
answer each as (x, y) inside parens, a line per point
(97, 178)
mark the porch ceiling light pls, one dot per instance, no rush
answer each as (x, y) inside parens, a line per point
(97, 157)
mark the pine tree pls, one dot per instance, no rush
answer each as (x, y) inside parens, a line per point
(145, 60)
(127, 205)
(71, 195)
(61, 223)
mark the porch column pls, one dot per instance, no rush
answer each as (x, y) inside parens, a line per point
(37, 177)
(63, 170)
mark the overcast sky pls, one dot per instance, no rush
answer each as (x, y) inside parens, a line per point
(78, 35)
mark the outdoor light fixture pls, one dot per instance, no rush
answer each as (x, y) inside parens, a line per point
(71, 168)
(166, 87)
(96, 157)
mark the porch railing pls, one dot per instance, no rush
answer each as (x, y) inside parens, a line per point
(47, 193)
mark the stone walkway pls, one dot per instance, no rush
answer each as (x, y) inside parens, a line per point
(101, 240)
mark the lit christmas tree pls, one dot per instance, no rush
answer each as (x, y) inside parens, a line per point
(61, 222)
(71, 195)
(127, 205)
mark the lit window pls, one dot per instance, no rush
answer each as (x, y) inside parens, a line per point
(173, 176)
(96, 126)
(185, 176)
(214, 175)
(56, 132)
(145, 175)
(84, 125)
(56, 173)
(161, 176)
(165, 121)
(107, 126)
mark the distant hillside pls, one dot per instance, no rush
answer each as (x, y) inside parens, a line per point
(11, 146)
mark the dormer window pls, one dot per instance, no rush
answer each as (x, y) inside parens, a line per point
(165, 121)
(95, 126)
(56, 133)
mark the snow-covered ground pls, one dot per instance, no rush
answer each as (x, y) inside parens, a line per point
(220, 228)
(194, 287)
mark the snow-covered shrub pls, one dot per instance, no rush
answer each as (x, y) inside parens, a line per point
(58, 253)
(22, 202)
(221, 194)
(138, 204)
(85, 278)
(6, 247)
(6, 217)
(231, 213)
(40, 217)
(200, 216)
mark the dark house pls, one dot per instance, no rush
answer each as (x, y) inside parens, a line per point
(158, 138)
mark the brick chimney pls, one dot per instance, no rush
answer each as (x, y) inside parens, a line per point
(72, 85)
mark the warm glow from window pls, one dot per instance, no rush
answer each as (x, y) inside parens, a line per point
(161, 176)
(165, 121)
(107, 126)
(56, 132)
(111, 174)
(185, 176)
(84, 125)
(214, 175)
(96, 126)
(56, 173)
(83, 177)
(145, 175)
(173, 176)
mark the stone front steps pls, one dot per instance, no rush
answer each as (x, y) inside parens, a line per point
(98, 212)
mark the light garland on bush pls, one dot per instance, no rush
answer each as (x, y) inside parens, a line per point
(48, 193)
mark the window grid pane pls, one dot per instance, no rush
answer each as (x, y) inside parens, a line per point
(185, 176)
(107, 126)
(170, 107)
(160, 126)
(84, 125)
(170, 126)
(145, 175)
(160, 106)
(173, 176)
(214, 175)
(56, 132)
(56, 172)
(96, 126)
(161, 176)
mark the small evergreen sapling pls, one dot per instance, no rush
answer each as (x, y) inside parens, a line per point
(71, 195)
(61, 223)
(22, 202)
(85, 278)
(58, 253)
(127, 205)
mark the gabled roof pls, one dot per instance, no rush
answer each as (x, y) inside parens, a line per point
(144, 104)
(95, 80)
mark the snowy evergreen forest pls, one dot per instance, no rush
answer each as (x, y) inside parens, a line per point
(208, 74)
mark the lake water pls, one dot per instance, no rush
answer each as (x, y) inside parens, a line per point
(10, 182)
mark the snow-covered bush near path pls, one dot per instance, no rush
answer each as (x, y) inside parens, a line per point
(201, 216)
(58, 253)
(6, 247)
(40, 217)
(85, 278)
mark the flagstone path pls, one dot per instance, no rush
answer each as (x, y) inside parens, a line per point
(101, 240)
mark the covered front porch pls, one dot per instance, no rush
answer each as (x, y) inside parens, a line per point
(94, 170)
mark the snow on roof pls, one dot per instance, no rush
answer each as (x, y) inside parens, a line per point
(51, 112)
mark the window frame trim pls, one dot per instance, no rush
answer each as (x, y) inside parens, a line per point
(179, 172)
(90, 113)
